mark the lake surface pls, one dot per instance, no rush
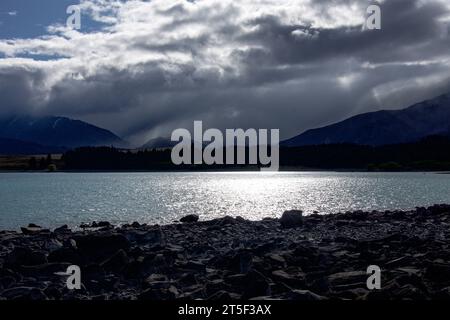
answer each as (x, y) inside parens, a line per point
(54, 199)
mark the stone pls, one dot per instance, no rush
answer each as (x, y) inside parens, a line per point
(345, 278)
(292, 219)
(62, 229)
(305, 295)
(104, 224)
(192, 218)
(52, 245)
(296, 280)
(117, 262)
(33, 230)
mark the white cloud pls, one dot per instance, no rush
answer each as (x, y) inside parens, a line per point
(175, 60)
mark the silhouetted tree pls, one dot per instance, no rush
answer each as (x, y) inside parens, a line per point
(32, 164)
(42, 164)
(49, 160)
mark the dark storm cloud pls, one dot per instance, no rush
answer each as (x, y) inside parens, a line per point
(406, 27)
(231, 65)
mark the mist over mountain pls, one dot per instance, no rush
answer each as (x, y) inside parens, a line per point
(56, 131)
(430, 117)
(159, 143)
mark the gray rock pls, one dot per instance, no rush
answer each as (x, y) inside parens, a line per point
(192, 218)
(292, 219)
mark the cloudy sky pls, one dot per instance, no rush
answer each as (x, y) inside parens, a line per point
(144, 68)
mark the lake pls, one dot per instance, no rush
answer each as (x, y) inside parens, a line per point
(54, 199)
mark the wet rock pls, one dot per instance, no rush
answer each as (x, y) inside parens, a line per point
(292, 219)
(62, 229)
(33, 229)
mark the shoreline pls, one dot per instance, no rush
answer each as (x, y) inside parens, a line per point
(220, 171)
(296, 257)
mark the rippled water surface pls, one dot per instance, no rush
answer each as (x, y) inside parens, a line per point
(72, 198)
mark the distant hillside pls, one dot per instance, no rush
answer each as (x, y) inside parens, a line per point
(431, 153)
(431, 117)
(159, 143)
(17, 147)
(57, 131)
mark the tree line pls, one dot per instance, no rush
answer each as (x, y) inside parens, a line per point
(431, 153)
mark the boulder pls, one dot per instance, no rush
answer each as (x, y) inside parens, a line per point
(192, 218)
(292, 219)
(33, 229)
(62, 229)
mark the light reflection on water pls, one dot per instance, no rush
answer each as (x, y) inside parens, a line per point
(71, 198)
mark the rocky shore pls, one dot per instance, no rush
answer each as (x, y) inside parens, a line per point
(296, 257)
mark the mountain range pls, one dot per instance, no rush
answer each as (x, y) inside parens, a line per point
(38, 135)
(24, 134)
(18, 147)
(430, 117)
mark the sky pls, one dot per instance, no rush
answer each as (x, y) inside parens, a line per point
(144, 68)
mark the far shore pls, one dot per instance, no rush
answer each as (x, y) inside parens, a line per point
(230, 170)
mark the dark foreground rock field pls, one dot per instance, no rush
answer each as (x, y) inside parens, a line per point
(296, 257)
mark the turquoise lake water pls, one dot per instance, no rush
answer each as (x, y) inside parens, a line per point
(54, 199)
